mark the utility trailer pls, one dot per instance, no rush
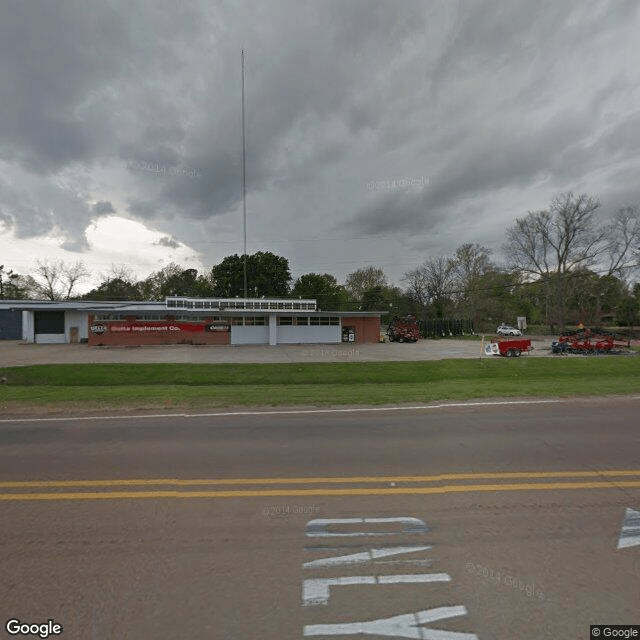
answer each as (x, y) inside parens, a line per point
(509, 347)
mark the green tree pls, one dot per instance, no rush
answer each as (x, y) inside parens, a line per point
(592, 298)
(114, 289)
(152, 286)
(364, 280)
(187, 283)
(268, 275)
(389, 299)
(10, 285)
(629, 309)
(324, 288)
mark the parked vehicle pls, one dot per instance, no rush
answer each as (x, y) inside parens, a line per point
(403, 329)
(507, 330)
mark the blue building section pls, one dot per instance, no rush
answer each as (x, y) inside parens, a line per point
(10, 324)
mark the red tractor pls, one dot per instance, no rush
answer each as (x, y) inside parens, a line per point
(403, 329)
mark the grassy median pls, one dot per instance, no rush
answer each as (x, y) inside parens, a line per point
(90, 387)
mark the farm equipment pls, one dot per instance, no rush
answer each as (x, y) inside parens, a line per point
(403, 329)
(510, 348)
(589, 341)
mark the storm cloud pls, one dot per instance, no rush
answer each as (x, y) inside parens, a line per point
(461, 115)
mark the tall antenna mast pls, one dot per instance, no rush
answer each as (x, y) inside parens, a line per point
(244, 189)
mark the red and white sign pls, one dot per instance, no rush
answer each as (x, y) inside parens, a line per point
(157, 327)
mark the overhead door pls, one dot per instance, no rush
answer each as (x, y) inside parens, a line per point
(49, 327)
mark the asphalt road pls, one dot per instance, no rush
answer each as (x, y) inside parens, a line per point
(490, 521)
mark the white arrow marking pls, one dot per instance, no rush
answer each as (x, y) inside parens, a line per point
(316, 590)
(364, 556)
(318, 528)
(630, 534)
(403, 626)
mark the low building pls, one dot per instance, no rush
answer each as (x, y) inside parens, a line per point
(183, 320)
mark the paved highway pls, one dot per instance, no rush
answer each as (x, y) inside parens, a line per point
(459, 521)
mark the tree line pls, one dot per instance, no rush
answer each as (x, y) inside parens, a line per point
(562, 266)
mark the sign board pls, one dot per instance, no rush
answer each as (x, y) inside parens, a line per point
(157, 327)
(491, 349)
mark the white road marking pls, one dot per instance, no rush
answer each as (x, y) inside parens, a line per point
(226, 414)
(318, 528)
(364, 556)
(315, 591)
(402, 626)
(630, 534)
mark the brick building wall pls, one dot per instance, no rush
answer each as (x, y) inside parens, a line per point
(367, 329)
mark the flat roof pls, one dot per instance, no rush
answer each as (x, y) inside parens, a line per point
(160, 308)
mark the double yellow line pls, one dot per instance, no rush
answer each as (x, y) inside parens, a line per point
(174, 488)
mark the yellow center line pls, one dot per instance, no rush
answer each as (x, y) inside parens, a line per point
(318, 480)
(137, 495)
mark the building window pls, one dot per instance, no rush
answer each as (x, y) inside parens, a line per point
(324, 321)
(285, 320)
(302, 321)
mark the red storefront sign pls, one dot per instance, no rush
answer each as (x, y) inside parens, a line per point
(156, 327)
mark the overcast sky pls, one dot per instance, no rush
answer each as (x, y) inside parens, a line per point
(377, 132)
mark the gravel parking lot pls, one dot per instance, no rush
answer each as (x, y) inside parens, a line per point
(14, 353)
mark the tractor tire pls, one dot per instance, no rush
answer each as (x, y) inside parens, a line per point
(400, 339)
(517, 353)
(510, 353)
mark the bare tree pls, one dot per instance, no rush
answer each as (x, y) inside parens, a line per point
(558, 240)
(48, 279)
(622, 248)
(432, 284)
(119, 272)
(550, 244)
(72, 275)
(57, 280)
(469, 264)
(417, 287)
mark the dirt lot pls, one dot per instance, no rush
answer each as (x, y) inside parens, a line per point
(14, 353)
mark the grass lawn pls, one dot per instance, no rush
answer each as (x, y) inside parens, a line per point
(87, 387)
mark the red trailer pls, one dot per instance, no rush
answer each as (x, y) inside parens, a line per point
(508, 347)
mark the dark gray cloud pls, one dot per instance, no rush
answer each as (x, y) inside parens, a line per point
(168, 242)
(134, 108)
(103, 208)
